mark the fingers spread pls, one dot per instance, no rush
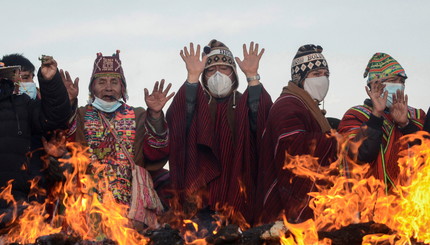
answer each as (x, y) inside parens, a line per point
(165, 92)
(155, 87)
(261, 53)
(170, 96)
(245, 52)
(251, 48)
(368, 90)
(238, 61)
(204, 58)
(182, 55)
(161, 85)
(192, 49)
(76, 83)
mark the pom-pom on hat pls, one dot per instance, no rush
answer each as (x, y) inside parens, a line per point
(383, 65)
(109, 66)
(307, 58)
(219, 54)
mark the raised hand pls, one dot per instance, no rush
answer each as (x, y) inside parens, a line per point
(56, 146)
(157, 99)
(251, 60)
(48, 68)
(399, 109)
(72, 87)
(194, 65)
(378, 97)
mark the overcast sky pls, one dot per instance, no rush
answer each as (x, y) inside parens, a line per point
(150, 35)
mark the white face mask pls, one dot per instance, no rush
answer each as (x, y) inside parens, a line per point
(219, 84)
(105, 106)
(28, 88)
(392, 88)
(317, 87)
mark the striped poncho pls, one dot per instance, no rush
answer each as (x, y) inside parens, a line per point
(217, 155)
(381, 145)
(295, 126)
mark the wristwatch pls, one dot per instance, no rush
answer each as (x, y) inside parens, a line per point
(256, 77)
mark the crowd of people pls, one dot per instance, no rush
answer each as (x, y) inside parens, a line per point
(224, 148)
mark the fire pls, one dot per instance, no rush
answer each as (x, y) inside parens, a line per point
(347, 196)
(411, 213)
(301, 234)
(344, 195)
(85, 214)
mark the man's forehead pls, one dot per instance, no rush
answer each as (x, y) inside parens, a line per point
(108, 77)
(26, 72)
(320, 70)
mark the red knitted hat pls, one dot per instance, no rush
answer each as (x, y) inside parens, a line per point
(109, 66)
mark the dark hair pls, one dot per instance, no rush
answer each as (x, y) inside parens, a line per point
(18, 59)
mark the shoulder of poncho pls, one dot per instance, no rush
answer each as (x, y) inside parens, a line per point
(289, 98)
(364, 109)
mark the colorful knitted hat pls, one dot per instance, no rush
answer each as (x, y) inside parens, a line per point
(109, 66)
(308, 58)
(219, 54)
(383, 65)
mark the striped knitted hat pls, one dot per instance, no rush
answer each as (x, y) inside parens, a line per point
(308, 58)
(383, 65)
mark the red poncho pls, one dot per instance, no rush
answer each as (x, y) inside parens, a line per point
(218, 154)
(295, 125)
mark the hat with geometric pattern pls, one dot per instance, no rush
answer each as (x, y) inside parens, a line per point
(383, 65)
(219, 54)
(307, 58)
(109, 66)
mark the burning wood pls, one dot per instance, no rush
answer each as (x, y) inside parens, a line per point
(349, 209)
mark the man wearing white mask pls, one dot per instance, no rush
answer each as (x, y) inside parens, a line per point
(383, 118)
(215, 130)
(297, 126)
(127, 141)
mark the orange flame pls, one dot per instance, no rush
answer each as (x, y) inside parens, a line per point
(85, 214)
(346, 195)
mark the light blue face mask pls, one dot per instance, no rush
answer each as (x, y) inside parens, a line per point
(392, 88)
(106, 106)
(28, 88)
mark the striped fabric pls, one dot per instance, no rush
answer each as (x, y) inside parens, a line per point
(383, 65)
(385, 166)
(290, 128)
(213, 157)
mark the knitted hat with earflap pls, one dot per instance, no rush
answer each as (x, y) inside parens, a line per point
(307, 58)
(219, 54)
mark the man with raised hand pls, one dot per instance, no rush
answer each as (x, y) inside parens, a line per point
(383, 119)
(128, 141)
(215, 130)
